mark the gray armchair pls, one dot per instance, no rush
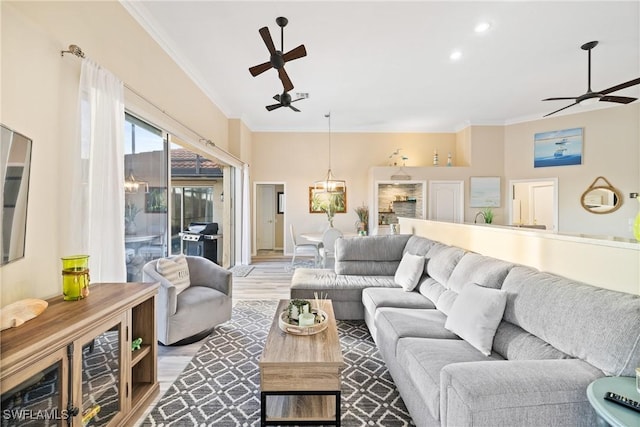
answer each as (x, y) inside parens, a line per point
(190, 315)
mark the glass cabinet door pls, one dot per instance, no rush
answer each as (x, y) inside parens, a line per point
(102, 384)
(37, 396)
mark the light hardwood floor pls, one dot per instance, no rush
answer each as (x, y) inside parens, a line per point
(270, 279)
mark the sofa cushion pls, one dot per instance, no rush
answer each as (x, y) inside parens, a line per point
(417, 245)
(374, 298)
(409, 271)
(422, 360)
(597, 325)
(441, 260)
(517, 393)
(374, 255)
(431, 288)
(306, 281)
(175, 270)
(394, 323)
(514, 343)
(476, 314)
(478, 269)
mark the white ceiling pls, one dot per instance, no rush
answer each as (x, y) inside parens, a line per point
(383, 66)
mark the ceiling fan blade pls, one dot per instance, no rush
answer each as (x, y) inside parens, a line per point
(561, 98)
(618, 99)
(266, 37)
(286, 81)
(299, 99)
(277, 97)
(259, 69)
(273, 107)
(296, 53)
(621, 86)
(294, 108)
(563, 108)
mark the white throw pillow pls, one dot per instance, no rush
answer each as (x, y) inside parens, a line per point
(409, 271)
(176, 271)
(476, 314)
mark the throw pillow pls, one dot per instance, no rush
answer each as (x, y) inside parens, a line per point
(476, 314)
(176, 271)
(409, 271)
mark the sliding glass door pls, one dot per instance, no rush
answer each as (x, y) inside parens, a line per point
(146, 191)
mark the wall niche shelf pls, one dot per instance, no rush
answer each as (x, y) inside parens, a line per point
(395, 199)
(77, 355)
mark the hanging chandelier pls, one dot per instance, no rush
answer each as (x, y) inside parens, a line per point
(330, 184)
(132, 185)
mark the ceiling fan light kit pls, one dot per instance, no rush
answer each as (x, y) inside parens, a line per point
(277, 61)
(591, 97)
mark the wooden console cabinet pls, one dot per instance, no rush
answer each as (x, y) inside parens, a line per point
(76, 360)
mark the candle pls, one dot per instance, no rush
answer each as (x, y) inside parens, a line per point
(306, 319)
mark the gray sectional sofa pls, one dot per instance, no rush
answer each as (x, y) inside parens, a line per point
(554, 337)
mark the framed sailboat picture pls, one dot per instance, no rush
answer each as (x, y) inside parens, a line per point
(557, 148)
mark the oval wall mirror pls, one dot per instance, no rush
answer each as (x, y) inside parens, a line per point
(601, 199)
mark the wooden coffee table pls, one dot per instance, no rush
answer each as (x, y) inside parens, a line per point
(300, 375)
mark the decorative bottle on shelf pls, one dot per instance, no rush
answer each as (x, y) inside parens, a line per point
(435, 157)
(449, 163)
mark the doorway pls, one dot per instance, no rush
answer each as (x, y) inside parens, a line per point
(534, 203)
(446, 201)
(269, 218)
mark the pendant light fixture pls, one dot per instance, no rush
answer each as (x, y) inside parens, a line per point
(330, 184)
(132, 185)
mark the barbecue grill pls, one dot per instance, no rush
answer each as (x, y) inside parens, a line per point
(201, 239)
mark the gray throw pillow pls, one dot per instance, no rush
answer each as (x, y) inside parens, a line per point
(409, 271)
(476, 314)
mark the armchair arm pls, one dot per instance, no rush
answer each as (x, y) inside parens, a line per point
(517, 392)
(203, 272)
(167, 296)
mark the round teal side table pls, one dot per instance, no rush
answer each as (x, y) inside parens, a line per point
(612, 414)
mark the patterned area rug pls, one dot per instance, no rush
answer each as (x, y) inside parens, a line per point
(241, 270)
(221, 384)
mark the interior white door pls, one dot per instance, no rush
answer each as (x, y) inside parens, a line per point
(446, 201)
(542, 205)
(265, 216)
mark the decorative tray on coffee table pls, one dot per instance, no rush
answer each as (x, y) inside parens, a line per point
(292, 327)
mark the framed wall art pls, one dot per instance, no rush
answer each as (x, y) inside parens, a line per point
(155, 201)
(485, 192)
(280, 202)
(320, 201)
(557, 148)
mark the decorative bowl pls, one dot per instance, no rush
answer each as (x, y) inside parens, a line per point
(290, 327)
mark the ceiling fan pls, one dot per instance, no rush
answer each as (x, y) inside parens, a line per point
(278, 59)
(591, 97)
(284, 100)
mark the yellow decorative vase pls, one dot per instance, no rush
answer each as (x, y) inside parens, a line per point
(75, 277)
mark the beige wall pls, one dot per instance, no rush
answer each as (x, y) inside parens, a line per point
(608, 264)
(611, 149)
(39, 95)
(299, 159)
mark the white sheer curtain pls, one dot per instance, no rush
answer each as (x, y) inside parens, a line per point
(97, 201)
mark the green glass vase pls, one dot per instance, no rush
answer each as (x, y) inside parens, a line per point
(75, 277)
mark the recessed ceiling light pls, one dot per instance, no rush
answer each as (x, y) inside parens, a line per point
(303, 95)
(482, 27)
(455, 55)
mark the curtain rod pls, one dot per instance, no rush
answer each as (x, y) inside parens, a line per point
(75, 50)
